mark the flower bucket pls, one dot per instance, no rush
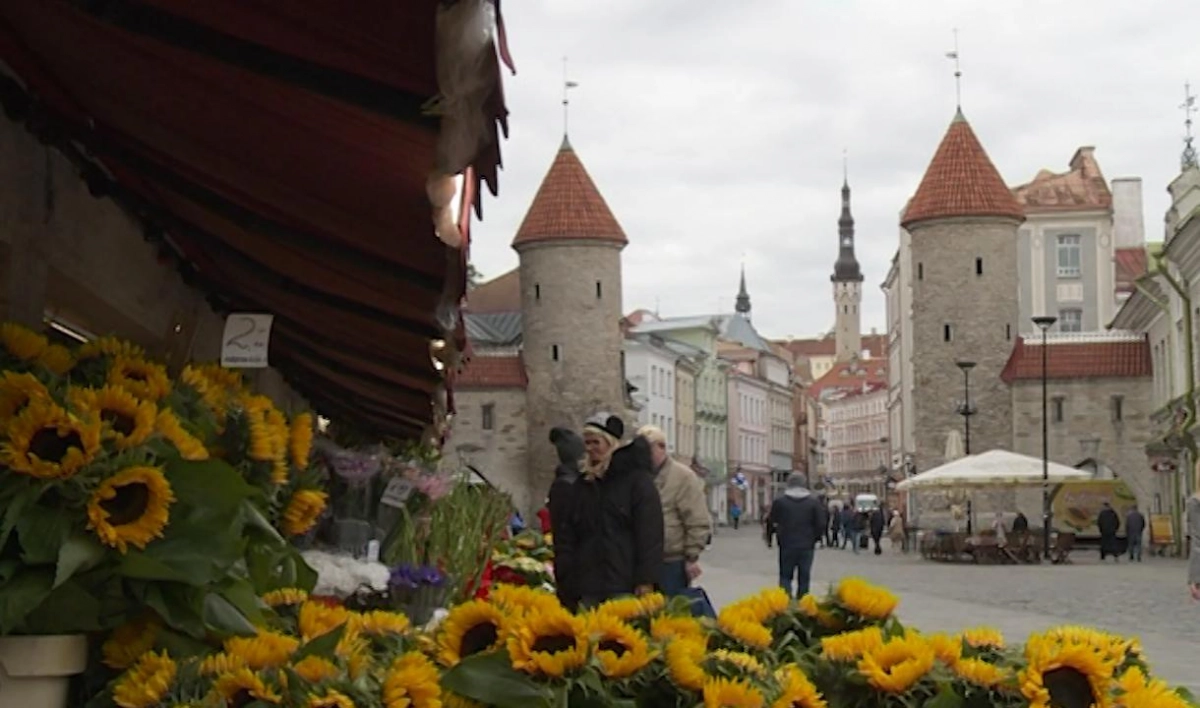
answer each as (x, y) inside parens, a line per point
(37, 670)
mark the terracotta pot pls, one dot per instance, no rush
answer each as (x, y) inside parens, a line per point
(37, 670)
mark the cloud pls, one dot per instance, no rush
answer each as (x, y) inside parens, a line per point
(715, 130)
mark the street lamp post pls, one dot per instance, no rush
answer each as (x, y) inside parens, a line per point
(1045, 322)
(967, 411)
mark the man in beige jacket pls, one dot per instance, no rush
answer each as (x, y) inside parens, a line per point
(686, 521)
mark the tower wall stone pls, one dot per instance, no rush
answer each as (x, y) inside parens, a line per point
(847, 296)
(570, 304)
(981, 310)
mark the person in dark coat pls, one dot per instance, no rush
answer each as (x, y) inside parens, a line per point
(878, 524)
(1135, 525)
(1108, 522)
(797, 520)
(1020, 523)
(611, 540)
(569, 445)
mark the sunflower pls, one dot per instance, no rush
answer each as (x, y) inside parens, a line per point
(131, 507)
(46, 442)
(770, 603)
(284, 597)
(300, 442)
(621, 650)
(731, 693)
(851, 646)
(453, 700)
(110, 347)
(315, 669)
(667, 628)
(866, 600)
(983, 638)
(897, 665)
(981, 673)
(742, 662)
(317, 618)
(1136, 690)
(130, 641)
(142, 378)
(147, 683)
(550, 643)
(268, 429)
(167, 424)
(220, 663)
(22, 342)
(380, 623)
(518, 600)
(948, 649)
(742, 624)
(412, 681)
(266, 650)
(302, 511)
(683, 663)
(1068, 660)
(242, 686)
(628, 608)
(17, 391)
(330, 699)
(796, 691)
(56, 359)
(124, 417)
(812, 608)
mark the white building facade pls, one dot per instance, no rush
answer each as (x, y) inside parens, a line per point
(650, 368)
(856, 445)
(749, 436)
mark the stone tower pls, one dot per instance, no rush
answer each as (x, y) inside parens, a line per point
(963, 221)
(569, 247)
(847, 281)
(742, 304)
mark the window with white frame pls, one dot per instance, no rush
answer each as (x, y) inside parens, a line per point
(1070, 256)
(1070, 320)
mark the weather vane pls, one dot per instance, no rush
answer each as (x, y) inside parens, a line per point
(957, 70)
(1189, 107)
(566, 101)
(845, 168)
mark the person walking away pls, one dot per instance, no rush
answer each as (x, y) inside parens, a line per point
(1193, 517)
(686, 523)
(735, 514)
(835, 525)
(797, 520)
(612, 538)
(896, 531)
(878, 522)
(571, 456)
(1135, 525)
(1020, 523)
(1108, 522)
(853, 527)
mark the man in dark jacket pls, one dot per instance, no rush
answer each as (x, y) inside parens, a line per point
(1135, 525)
(1108, 522)
(612, 537)
(797, 520)
(878, 523)
(570, 455)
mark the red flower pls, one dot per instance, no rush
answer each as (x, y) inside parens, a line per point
(508, 576)
(327, 600)
(485, 582)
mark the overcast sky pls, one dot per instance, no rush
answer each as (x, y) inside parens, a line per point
(715, 130)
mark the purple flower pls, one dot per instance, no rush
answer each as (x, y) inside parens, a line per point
(409, 577)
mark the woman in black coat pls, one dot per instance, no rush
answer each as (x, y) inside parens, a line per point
(611, 541)
(570, 455)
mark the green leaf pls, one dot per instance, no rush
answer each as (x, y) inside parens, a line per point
(256, 521)
(322, 645)
(221, 616)
(490, 679)
(68, 609)
(14, 507)
(946, 698)
(42, 532)
(21, 595)
(139, 566)
(80, 552)
(8, 568)
(211, 485)
(180, 606)
(239, 593)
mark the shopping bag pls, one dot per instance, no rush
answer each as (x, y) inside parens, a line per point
(701, 605)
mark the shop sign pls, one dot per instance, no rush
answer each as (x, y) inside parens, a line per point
(246, 340)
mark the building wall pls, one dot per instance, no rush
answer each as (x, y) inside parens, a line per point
(981, 312)
(857, 438)
(652, 370)
(685, 411)
(847, 297)
(495, 443)
(749, 425)
(1046, 290)
(562, 313)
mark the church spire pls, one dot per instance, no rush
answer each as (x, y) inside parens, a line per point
(846, 268)
(743, 297)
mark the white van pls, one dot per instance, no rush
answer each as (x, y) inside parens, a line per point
(866, 503)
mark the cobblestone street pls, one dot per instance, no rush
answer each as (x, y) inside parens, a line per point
(1148, 600)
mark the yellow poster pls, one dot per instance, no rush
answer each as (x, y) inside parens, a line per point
(1076, 504)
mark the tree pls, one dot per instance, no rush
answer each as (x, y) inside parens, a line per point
(473, 276)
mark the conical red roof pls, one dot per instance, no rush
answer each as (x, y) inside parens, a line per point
(568, 206)
(961, 181)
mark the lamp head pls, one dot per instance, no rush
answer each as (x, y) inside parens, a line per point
(1045, 322)
(965, 365)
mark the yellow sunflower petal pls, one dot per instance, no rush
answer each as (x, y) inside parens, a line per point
(130, 641)
(130, 508)
(303, 510)
(147, 683)
(731, 693)
(46, 442)
(412, 681)
(866, 600)
(551, 643)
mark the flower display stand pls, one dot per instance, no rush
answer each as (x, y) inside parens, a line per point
(37, 670)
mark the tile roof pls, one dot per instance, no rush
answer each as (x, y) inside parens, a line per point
(491, 372)
(1131, 264)
(827, 345)
(1079, 359)
(961, 181)
(500, 294)
(1083, 187)
(568, 206)
(850, 375)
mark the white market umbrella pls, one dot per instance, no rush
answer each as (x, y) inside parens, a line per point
(994, 468)
(954, 445)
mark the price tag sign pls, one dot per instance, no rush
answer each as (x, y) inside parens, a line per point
(246, 340)
(397, 492)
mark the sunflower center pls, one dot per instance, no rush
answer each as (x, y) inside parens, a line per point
(128, 505)
(614, 646)
(1068, 688)
(135, 375)
(120, 422)
(554, 643)
(49, 446)
(478, 638)
(241, 699)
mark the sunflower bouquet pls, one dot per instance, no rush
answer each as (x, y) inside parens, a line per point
(126, 503)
